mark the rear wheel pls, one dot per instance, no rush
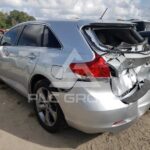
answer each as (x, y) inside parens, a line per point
(48, 111)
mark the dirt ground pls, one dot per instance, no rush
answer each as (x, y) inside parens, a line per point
(19, 130)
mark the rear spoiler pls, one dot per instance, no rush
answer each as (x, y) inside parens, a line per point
(112, 24)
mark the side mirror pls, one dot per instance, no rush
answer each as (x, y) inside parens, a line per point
(1, 36)
(6, 44)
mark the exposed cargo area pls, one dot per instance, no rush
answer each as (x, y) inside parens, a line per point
(119, 39)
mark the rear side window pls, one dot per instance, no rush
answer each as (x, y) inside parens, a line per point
(49, 39)
(9, 39)
(31, 36)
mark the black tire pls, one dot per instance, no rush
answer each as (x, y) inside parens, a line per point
(60, 120)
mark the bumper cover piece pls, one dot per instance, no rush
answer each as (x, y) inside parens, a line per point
(139, 93)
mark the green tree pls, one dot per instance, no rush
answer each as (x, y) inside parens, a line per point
(14, 17)
(2, 20)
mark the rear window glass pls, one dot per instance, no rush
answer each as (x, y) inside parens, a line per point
(113, 37)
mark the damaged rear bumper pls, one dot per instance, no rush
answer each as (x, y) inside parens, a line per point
(103, 111)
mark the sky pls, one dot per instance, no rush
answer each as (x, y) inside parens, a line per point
(44, 9)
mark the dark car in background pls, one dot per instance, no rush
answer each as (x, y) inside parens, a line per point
(143, 27)
(146, 35)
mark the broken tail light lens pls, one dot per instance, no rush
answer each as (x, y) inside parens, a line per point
(98, 68)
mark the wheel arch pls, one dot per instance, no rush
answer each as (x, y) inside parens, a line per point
(34, 79)
(38, 77)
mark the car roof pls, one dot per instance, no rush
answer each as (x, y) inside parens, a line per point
(66, 30)
(80, 22)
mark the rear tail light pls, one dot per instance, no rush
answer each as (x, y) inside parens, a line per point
(98, 68)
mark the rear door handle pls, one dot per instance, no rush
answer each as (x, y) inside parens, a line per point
(6, 52)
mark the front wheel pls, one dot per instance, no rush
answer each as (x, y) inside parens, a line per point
(48, 111)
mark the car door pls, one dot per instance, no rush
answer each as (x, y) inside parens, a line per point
(19, 61)
(28, 50)
(8, 52)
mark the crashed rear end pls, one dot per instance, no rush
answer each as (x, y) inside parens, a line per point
(117, 93)
(111, 77)
(127, 55)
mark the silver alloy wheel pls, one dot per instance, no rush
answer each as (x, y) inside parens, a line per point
(46, 106)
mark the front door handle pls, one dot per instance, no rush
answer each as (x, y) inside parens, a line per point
(32, 56)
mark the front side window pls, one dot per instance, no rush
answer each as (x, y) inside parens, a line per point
(9, 39)
(31, 36)
(50, 40)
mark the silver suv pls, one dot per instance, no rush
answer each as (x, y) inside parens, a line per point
(91, 75)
